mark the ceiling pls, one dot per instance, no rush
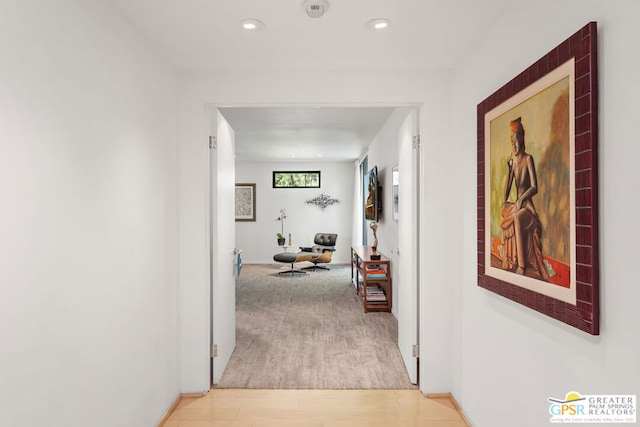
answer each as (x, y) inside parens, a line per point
(202, 35)
(205, 34)
(304, 133)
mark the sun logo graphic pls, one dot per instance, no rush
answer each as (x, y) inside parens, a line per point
(570, 406)
(606, 408)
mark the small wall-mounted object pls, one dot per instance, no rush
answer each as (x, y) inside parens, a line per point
(322, 201)
(315, 8)
(395, 180)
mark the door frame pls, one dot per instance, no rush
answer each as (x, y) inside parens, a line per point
(419, 109)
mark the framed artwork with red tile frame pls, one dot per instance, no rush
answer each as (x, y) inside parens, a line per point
(538, 185)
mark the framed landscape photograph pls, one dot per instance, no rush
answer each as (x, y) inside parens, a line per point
(245, 202)
(537, 186)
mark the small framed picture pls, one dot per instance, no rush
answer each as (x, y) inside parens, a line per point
(245, 202)
(395, 187)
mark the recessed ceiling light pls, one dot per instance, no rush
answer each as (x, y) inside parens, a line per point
(251, 24)
(378, 24)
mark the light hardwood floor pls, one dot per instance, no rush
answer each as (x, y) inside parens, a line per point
(314, 408)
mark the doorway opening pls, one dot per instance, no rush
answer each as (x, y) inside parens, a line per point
(397, 138)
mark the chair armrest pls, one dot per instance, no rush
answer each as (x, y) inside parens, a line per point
(305, 249)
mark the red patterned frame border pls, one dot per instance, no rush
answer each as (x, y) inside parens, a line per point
(585, 315)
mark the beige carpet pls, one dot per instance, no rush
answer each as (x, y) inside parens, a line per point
(310, 332)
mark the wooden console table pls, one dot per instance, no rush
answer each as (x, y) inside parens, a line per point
(371, 278)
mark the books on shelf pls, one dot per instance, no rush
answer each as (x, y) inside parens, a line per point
(375, 294)
(375, 272)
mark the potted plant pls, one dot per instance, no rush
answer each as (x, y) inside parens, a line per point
(281, 218)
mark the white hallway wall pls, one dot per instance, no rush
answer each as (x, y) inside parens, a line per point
(88, 224)
(356, 87)
(510, 359)
(258, 239)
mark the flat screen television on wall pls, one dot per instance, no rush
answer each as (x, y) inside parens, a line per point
(373, 199)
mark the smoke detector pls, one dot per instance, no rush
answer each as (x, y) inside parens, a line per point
(315, 8)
